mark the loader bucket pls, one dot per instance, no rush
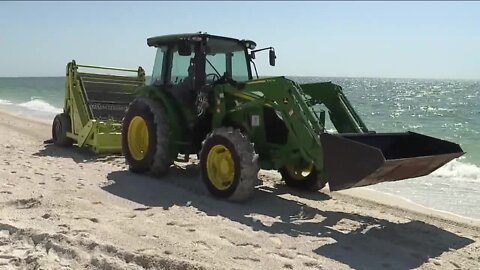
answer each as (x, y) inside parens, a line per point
(363, 159)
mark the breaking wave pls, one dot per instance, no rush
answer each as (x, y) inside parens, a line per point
(459, 171)
(36, 108)
(5, 102)
(40, 105)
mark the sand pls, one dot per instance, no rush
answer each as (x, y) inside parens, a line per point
(66, 209)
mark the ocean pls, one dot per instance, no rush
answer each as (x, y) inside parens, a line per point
(447, 109)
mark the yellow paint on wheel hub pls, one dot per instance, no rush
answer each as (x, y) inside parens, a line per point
(138, 138)
(220, 167)
(299, 172)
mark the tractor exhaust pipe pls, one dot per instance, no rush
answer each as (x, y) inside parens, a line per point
(355, 160)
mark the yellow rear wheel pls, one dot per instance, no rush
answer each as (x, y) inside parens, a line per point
(138, 137)
(146, 137)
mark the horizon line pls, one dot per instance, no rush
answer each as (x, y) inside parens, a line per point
(301, 76)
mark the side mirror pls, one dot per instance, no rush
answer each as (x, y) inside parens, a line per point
(184, 49)
(272, 56)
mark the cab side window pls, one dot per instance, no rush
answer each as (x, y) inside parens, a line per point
(158, 73)
(182, 67)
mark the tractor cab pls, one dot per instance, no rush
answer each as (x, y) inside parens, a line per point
(190, 61)
(193, 60)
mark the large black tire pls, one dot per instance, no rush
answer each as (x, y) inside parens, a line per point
(310, 182)
(156, 158)
(60, 126)
(245, 163)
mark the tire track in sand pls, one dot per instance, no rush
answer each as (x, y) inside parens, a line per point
(28, 249)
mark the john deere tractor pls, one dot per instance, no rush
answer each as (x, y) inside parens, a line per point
(203, 99)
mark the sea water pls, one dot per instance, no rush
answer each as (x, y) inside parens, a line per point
(446, 109)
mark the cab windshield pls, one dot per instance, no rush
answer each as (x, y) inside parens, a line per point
(226, 57)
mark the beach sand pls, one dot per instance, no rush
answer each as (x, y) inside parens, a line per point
(66, 209)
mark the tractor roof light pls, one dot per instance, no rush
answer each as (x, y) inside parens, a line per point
(196, 38)
(249, 44)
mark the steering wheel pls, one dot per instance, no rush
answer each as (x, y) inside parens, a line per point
(213, 75)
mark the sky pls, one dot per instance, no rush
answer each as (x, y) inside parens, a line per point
(408, 39)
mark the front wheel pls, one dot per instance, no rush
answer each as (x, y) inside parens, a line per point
(229, 164)
(303, 177)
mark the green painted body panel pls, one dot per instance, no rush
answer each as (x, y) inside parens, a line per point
(101, 136)
(244, 109)
(293, 103)
(234, 107)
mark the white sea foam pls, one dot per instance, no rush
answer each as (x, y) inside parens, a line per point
(40, 105)
(459, 171)
(453, 188)
(5, 102)
(35, 109)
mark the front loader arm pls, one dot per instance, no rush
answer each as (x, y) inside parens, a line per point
(287, 100)
(341, 112)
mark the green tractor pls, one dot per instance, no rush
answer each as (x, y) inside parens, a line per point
(203, 99)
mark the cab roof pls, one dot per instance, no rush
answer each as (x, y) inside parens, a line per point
(174, 38)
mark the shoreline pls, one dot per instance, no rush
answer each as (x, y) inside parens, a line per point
(396, 202)
(22, 113)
